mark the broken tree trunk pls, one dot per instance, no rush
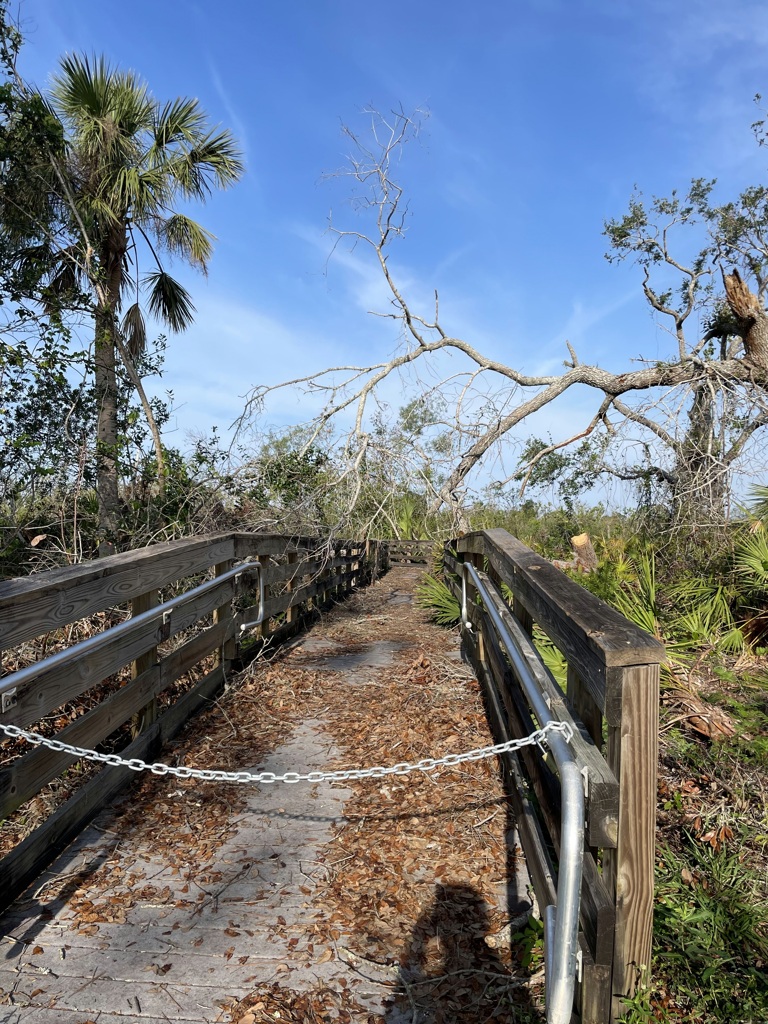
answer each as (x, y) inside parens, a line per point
(585, 559)
(751, 318)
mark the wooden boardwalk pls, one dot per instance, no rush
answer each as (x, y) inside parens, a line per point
(366, 901)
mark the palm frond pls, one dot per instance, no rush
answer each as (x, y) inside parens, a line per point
(134, 330)
(107, 112)
(751, 560)
(434, 595)
(758, 502)
(184, 237)
(178, 120)
(553, 658)
(638, 601)
(82, 87)
(169, 301)
(213, 161)
(130, 188)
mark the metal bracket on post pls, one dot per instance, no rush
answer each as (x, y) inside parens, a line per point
(8, 700)
(260, 617)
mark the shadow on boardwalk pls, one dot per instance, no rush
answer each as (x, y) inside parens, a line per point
(450, 973)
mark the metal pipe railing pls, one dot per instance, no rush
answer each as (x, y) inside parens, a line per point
(95, 643)
(561, 923)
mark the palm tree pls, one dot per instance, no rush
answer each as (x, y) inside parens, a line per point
(127, 162)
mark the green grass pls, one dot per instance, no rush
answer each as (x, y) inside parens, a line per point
(710, 940)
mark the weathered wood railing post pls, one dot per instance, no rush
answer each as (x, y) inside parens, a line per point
(290, 615)
(632, 754)
(477, 561)
(147, 715)
(263, 560)
(227, 653)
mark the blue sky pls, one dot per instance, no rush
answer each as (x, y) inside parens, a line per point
(543, 116)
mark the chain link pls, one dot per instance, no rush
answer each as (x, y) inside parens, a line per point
(428, 764)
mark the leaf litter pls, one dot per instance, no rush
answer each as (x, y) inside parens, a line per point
(416, 874)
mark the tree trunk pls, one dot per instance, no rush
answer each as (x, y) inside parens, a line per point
(702, 477)
(105, 356)
(584, 551)
(751, 318)
(106, 433)
(149, 415)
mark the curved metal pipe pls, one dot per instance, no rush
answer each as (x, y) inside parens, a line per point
(562, 927)
(95, 643)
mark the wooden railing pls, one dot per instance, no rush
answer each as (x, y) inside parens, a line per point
(299, 575)
(612, 695)
(409, 552)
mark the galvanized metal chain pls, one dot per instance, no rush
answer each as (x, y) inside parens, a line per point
(428, 764)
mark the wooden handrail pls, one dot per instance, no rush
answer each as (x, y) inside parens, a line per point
(295, 572)
(612, 695)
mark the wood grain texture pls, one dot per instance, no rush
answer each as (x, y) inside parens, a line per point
(21, 780)
(54, 684)
(602, 801)
(25, 777)
(593, 993)
(222, 614)
(592, 636)
(629, 869)
(37, 604)
(613, 677)
(145, 715)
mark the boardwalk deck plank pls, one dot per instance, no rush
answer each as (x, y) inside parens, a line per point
(181, 949)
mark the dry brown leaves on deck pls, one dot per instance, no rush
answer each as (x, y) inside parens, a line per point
(270, 1003)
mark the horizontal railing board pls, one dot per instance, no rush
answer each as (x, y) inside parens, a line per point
(186, 655)
(451, 564)
(40, 603)
(292, 572)
(544, 781)
(602, 788)
(32, 605)
(602, 785)
(54, 683)
(291, 598)
(597, 910)
(27, 775)
(593, 636)
(254, 544)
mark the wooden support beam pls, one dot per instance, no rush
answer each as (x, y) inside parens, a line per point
(632, 752)
(222, 614)
(143, 718)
